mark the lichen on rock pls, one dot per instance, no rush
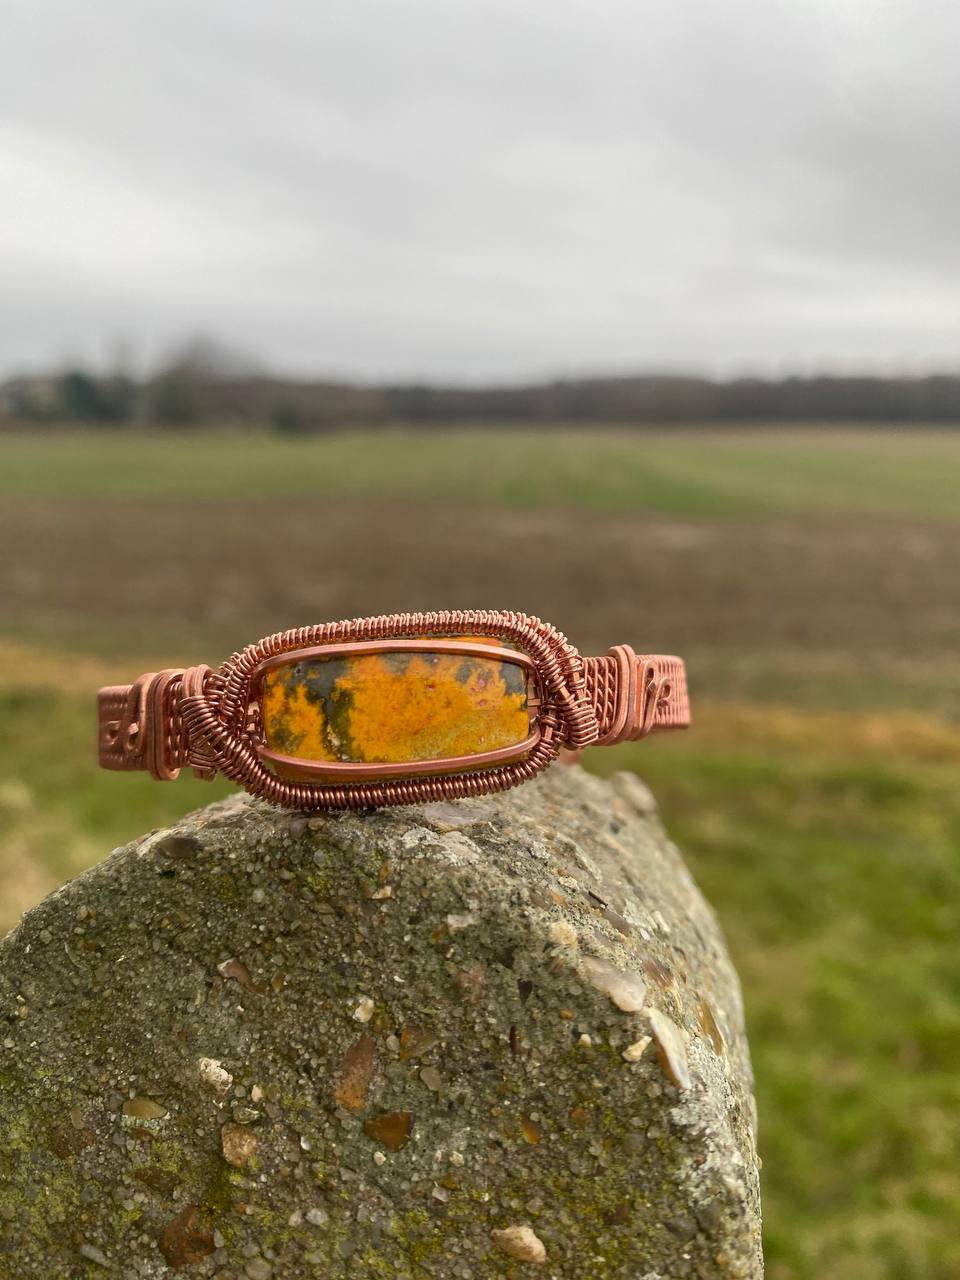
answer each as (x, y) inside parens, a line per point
(186, 1087)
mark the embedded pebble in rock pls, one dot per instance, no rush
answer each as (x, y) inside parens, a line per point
(432, 1078)
(364, 1010)
(710, 1026)
(237, 970)
(185, 1090)
(355, 1074)
(238, 1143)
(563, 934)
(143, 1113)
(457, 920)
(520, 1243)
(214, 1077)
(184, 1240)
(671, 1048)
(93, 1254)
(626, 990)
(414, 1041)
(392, 1129)
(634, 1052)
(530, 1130)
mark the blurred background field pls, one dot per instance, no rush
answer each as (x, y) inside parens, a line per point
(812, 580)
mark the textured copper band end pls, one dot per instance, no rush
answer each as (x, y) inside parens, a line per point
(212, 720)
(634, 696)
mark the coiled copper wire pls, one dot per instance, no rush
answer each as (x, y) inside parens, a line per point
(219, 730)
(210, 719)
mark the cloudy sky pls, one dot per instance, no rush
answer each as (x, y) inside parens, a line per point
(483, 189)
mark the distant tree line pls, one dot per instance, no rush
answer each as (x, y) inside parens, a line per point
(190, 393)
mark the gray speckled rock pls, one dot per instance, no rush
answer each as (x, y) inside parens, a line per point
(496, 1038)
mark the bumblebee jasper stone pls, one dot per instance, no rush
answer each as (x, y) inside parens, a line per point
(394, 708)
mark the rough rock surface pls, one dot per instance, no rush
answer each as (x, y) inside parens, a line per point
(495, 1038)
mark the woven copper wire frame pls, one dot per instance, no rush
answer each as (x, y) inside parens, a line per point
(210, 720)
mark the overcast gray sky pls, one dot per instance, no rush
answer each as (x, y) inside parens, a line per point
(483, 189)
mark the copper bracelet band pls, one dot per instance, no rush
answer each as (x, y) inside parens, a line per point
(211, 720)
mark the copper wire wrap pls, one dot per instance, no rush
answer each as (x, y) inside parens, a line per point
(208, 719)
(633, 695)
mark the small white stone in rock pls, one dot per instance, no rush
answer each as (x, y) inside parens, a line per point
(214, 1076)
(295, 1219)
(417, 835)
(563, 934)
(379, 1158)
(93, 1254)
(316, 1217)
(380, 894)
(364, 1010)
(634, 1052)
(585, 1040)
(625, 989)
(461, 920)
(660, 922)
(256, 1094)
(520, 1243)
(458, 848)
(456, 1158)
(672, 1046)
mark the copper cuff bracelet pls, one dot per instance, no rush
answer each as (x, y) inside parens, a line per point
(397, 709)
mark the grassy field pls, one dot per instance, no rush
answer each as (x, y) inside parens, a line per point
(712, 472)
(814, 582)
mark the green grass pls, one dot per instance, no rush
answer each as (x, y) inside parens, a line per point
(675, 472)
